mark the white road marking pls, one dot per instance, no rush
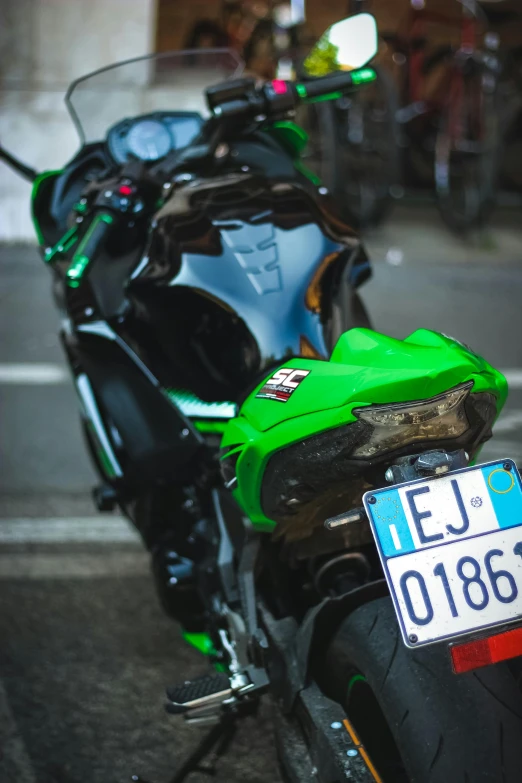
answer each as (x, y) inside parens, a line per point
(395, 537)
(30, 374)
(108, 529)
(15, 758)
(513, 377)
(34, 373)
(57, 566)
(507, 422)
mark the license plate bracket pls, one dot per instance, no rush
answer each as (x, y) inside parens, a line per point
(451, 550)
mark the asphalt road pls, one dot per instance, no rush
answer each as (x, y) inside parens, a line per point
(85, 652)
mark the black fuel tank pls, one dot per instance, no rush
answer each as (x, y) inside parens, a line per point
(242, 272)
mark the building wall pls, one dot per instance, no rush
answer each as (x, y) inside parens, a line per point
(44, 45)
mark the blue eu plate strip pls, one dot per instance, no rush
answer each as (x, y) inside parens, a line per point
(391, 524)
(505, 493)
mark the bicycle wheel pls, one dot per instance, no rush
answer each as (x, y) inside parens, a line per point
(321, 154)
(369, 150)
(467, 147)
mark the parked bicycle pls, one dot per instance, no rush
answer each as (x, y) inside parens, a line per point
(439, 127)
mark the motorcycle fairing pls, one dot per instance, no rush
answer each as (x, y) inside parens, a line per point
(137, 428)
(365, 368)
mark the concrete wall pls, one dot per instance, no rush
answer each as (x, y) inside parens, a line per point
(45, 44)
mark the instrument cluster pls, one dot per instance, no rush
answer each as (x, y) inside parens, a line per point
(152, 136)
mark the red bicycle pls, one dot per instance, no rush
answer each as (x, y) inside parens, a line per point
(439, 127)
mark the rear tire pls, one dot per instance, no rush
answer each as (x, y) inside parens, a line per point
(421, 723)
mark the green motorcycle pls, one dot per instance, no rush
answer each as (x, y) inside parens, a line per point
(308, 488)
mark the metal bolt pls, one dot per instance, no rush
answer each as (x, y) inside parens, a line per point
(245, 168)
(336, 725)
(173, 580)
(507, 465)
(413, 638)
(372, 500)
(314, 771)
(88, 311)
(352, 752)
(323, 191)
(389, 475)
(108, 193)
(221, 151)
(184, 433)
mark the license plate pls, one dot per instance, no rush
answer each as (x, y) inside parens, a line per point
(451, 549)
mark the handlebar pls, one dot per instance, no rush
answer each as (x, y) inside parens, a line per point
(234, 105)
(241, 98)
(91, 243)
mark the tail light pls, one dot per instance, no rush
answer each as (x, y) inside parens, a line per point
(393, 426)
(483, 652)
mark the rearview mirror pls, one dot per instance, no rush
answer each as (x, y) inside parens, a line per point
(346, 45)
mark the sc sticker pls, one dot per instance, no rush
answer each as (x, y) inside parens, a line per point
(282, 384)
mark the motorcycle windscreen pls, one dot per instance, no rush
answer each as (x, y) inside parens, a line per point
(160, 82)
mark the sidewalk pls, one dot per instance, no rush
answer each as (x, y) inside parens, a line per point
(416, 235)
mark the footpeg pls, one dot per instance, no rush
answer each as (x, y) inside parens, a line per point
(209, 690)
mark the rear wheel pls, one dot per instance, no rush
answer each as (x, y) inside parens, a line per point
(419, 722)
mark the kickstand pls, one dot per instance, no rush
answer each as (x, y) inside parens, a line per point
(221, 736)
(218, 739)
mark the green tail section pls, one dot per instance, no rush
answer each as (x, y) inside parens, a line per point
(366, 368)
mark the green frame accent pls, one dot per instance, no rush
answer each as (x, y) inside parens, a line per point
(293, 139)
(290, 136)
(194, 407)
(210, 426)
(62, 246)
(354, 679)
(365, 368)
(101, 453)
(44, 176)
(201, 641)
(306, 172)
(329, 96)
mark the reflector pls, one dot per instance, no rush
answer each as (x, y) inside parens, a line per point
(482, 652)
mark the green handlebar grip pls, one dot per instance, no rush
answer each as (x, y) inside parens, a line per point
(91, 242)
(332, 86)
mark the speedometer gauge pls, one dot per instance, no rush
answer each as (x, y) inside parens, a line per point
(149, 140)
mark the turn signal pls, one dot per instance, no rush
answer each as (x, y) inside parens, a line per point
(483, 652)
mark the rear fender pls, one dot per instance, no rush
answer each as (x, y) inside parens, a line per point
(299, 652)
